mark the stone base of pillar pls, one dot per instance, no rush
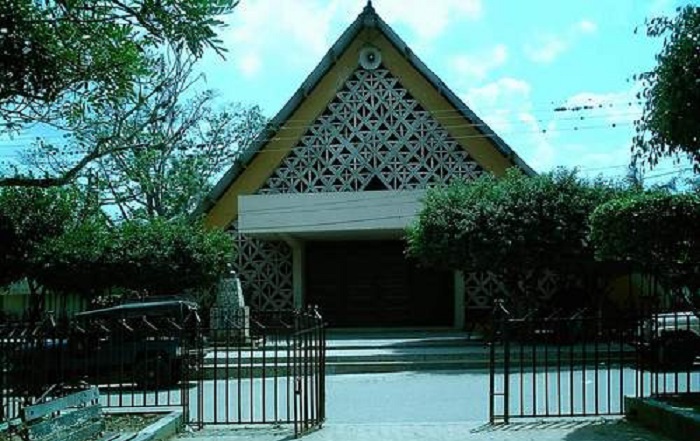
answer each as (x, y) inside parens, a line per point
(229, 325)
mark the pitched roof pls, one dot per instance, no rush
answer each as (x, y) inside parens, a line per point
(368, 19)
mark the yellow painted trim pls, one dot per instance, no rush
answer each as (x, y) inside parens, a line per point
(271, 155)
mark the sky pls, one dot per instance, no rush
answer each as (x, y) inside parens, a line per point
(513, 62)
(516, 63)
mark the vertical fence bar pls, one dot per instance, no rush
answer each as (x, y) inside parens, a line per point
(506, 369)
(492, 375)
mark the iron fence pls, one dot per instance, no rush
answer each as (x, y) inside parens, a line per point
(267, 369)
(259, 368)
(585, 364)
(137, 362)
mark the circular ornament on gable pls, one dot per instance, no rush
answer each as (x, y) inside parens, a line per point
(370, 57)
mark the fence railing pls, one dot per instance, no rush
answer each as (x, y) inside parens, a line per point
(270, 370)
(137, 362)
(259, 368)
(585, 365)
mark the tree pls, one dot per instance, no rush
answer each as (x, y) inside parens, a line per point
(657, 231)
(62, 62)
(8, 251)
(515, 226)
(152, 258)
(165, 154)
(29, 217)
(670, 122)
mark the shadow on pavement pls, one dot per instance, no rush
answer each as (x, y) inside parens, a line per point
(240, 433)
(613, 431)
(581, 430)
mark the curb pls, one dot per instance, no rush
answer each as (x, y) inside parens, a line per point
(162, 429)
(680, 424)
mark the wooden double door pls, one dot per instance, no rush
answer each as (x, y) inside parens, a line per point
(372, 284)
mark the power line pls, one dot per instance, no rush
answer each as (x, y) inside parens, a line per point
(464, 137)
(291, 123)
(285, 126)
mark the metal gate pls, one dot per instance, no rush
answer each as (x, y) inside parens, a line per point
(262, 368)
(265, 368)
(582, 365)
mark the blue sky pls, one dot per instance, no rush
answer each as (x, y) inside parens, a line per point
(512, 61)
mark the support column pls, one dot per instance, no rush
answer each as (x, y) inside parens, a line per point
(298, 268)
(459, 319)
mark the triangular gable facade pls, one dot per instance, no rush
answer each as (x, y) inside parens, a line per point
(343, 108)
(372, 126)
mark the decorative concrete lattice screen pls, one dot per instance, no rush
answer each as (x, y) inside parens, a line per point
(481, 287)
(372, 136)
(265, 270)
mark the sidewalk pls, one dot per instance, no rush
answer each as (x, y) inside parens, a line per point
(600, 430)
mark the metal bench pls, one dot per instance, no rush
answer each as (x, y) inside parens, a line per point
(74, 417)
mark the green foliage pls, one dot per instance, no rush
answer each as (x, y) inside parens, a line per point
(28, 218)
(66, 64)
(657, 230)
(51, 48)
(78, 261)
(180, 154)
(163, 257)
(670, 123)
(514, 224)
(155, 257)
(8, 242)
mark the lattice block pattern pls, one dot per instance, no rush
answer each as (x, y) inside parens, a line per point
(373, 136)
(265, 270)
(481, 287)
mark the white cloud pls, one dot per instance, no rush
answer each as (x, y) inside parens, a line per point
(503, 90)
(498, 102)
(249, 65)
(428, 19)
(479, 65)
(258, 30)
(587, 26)
(547, 139)
(546, 50)
(541, 153)
(547, 47)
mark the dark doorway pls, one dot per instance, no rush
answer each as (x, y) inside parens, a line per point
(372, 284)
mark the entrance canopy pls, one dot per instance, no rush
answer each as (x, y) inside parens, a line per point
(373, 214)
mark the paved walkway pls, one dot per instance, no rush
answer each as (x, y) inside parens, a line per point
(604, 430)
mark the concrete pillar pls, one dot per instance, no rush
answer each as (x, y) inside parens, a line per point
(459, 319)
(298, 269)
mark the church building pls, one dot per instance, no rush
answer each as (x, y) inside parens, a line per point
(319, 204)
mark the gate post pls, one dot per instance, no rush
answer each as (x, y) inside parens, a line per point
(499, 328)
(506, 366)
(492, 369)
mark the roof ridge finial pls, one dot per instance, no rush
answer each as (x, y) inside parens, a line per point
(369, 7)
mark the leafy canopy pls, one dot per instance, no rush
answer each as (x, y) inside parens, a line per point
(154, 257)
(64, 63)
(165, 152)
(56, 48)
(28, 218)
(513, 224)
(657, 230)
(670, 123)
(54, 239)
